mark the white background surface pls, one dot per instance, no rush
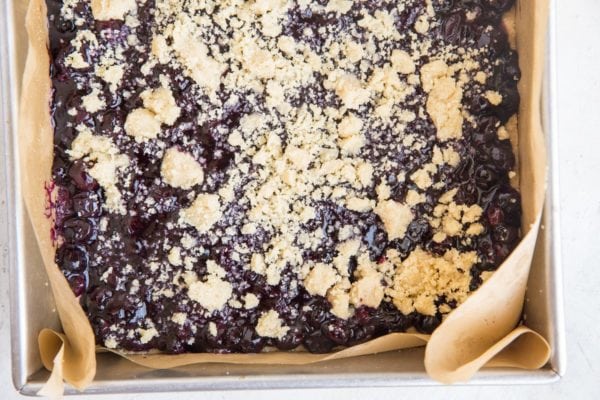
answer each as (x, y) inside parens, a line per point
(579, 146)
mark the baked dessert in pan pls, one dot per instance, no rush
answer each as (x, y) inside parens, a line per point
(231, 176)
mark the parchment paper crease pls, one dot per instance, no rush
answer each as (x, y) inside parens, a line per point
(481, 332)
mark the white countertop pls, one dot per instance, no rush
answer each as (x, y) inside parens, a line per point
(579, 144)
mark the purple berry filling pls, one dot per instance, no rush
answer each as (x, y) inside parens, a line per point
(86, 258)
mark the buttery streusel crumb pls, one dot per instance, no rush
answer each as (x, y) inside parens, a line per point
(239, 174)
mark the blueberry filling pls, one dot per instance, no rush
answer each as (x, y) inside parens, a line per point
(114, 261)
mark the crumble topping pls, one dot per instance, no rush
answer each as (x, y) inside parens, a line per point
(395, 216)
(451, 219)
(107, 163)
(350, 90)
(271, 326)
(339, 298)
(422, 278)
(204, 212)
(293, 171)
(181, 170)
(189, 50)
(111, 343)
(320, 278)
(213, 292)
(161, 102)
(494, 97)
(367, 290)
(145, 123)
(174, 257)
(212, 329)
(142, 125)
(146, 335)
(444, 101)
(179, 318)
(111, 74)
(251, 301)
(93, 102)
(104, 10)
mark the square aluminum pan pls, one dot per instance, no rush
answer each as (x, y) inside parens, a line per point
(32, 303)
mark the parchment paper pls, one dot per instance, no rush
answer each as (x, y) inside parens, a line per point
(481, 332)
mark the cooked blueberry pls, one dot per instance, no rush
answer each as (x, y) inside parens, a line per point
(363, 315)
(499, 5)
(78, 282)
(495, 39)
(487, 253)
(511, 67)
(72, 258)
(502, 252)
(318, 343)
(79, 230)
(317, 311)
(100, 295)
(495, 215)
(427, 323)
(418, 229)
(510, 103)
(250, 342)
(375, 239)
(464, 170)
(173, 345)
(467, 193)
(87, 204)
(80, 177)
(292, 339)
(337, 331)
(404, 245)
(135, 225)
(480, 105)
(60, 170)
(65, 26)
(510, 202)
(438, 248)
(113, 24)
(443, 6)
(505, 234)
(486, 177)
(120, 301)
(101, 326)
(452, 28)
(487, 130)
(63, 206)
(361, 334)
(390, 320)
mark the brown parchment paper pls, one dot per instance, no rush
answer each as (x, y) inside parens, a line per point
(481, 332)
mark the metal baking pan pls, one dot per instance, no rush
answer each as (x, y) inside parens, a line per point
(32, 302)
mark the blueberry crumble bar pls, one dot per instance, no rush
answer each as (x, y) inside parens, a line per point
(233, 175)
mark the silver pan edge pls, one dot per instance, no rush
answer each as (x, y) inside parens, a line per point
(31, 302)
